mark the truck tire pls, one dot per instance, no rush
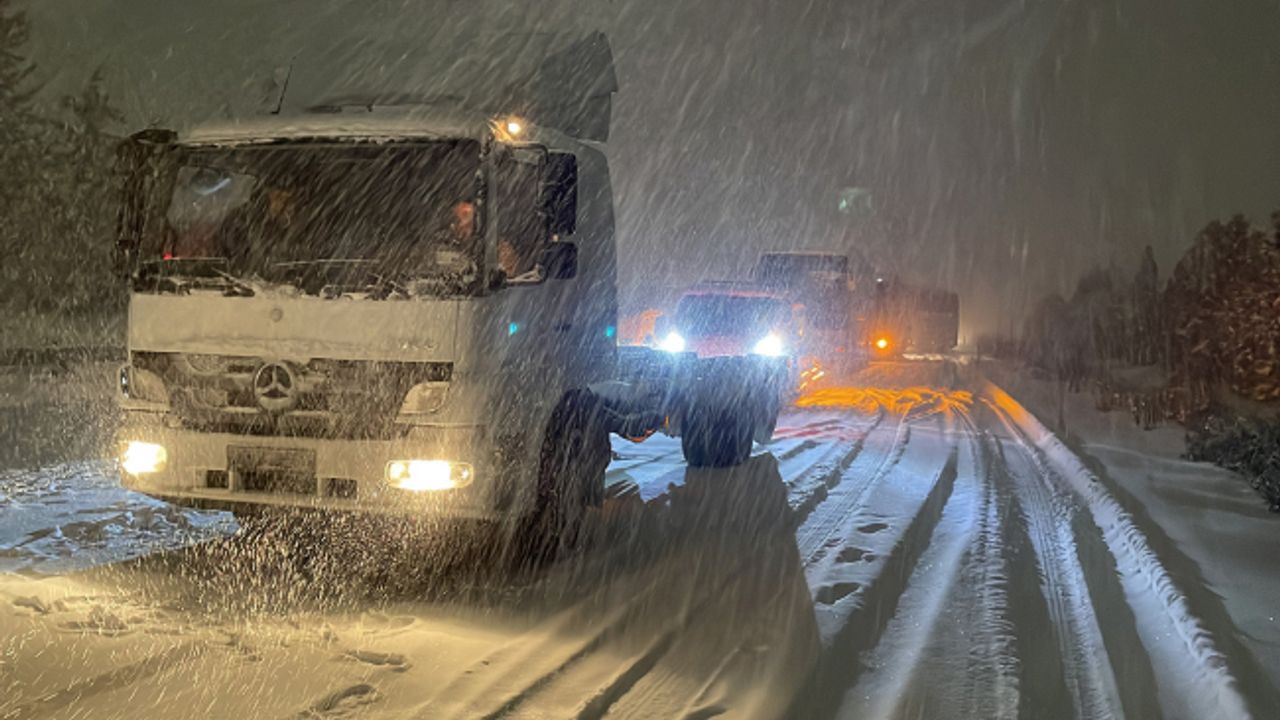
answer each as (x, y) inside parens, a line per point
(575, 453)
(717, 438)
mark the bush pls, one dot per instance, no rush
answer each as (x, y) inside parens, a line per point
(1248, 446)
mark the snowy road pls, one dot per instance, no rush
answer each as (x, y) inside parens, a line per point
(900, 550)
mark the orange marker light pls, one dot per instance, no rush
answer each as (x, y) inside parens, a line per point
(882, 343)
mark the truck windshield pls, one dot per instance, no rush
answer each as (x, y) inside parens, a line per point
(729, 315)
(320, 214)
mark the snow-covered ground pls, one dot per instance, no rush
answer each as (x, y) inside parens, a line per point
(74, 516)
(911, 544)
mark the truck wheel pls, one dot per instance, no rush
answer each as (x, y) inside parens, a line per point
(575, 454)
(717, 439)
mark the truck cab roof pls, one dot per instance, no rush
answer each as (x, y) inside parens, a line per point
(368, 122)
(733, 288)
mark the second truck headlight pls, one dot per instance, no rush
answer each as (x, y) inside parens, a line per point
(770, 346)
(672, 343)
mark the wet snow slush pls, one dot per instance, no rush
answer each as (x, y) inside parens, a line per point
(906, 547)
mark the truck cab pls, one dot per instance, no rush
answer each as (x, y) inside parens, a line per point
(395, 311)
(320, 306)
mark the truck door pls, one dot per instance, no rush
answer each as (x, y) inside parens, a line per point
(547, 334)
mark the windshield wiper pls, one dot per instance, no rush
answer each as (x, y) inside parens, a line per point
(186, 274)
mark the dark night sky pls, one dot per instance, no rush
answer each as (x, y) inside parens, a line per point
(1009, 144)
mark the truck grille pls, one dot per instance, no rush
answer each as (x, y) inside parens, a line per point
(321, 398)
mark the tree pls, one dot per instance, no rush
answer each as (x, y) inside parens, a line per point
(78, 250)
(1223, 306)
(18, 131)
(1146, 310)
(15, 70)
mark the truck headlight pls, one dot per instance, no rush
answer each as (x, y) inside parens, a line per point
(425, 398)
(672, 343)
(141, 458)
(428, 475)
(770, 346)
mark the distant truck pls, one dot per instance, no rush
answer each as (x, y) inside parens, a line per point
(408, 311)
(851, 314)
(906, 318)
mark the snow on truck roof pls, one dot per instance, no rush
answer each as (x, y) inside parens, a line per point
(730, 288)
(804, 253)
(375, 123)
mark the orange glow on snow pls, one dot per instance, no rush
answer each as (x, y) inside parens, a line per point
(873, 399)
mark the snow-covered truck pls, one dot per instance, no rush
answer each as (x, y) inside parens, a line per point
(406, 310)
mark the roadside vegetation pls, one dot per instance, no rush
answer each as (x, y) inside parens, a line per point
(1202, 351)
(57, 192)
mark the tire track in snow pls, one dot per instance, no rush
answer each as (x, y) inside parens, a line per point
(899, 681)
(809, 487)
(50, 705)
(1085, 664)
(1192, 675)
(508, 676)
(810, 467)
(912, 498)
(588, 686)
(994, 689)
(827, 521)
(968, 667)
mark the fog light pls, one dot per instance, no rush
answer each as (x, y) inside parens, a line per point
(427, 475)
(140, 458)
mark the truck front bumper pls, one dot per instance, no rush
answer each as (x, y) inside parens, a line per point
(228, 470)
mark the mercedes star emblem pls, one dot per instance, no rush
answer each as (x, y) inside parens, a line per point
(274, 386)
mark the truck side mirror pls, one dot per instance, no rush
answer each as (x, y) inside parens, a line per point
(560, 193)
(136, 169)
(559, 260)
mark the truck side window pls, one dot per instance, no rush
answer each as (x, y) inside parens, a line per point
(521, 230)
